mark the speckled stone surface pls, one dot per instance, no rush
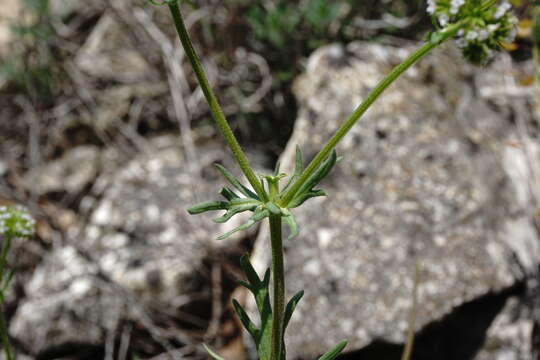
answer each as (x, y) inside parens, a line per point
(422, 179)
(140, 246)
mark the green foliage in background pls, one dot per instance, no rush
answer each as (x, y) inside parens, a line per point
(29, 64)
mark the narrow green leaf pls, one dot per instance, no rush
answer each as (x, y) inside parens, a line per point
(266, 278)
(208, 206)
(289, 309)
(233, 210)
(290, 219)
(276, 169)
(319, 174)
(245, 284)
(246, 321)
(260, 291)
(7, 281)
(244, 201)
(299, 163)
(334, 353)
(214, 355)
(298, 168)
(303, 197)
(250, 272)
(235, 182)
(228, 194)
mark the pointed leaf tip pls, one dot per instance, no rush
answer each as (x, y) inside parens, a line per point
(335, 352)
(235, 182)
(214, 355)
(291, 306)
(207, 206)
(244, 318)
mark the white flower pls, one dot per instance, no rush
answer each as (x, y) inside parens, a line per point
(502, 9)
(432, 6)
(483, 34)
(511, 36)
(492, 27)
(444, 20)
(455, 5)
(472, 35)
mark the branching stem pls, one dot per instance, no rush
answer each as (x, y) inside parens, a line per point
(213, 103)
(363, 107)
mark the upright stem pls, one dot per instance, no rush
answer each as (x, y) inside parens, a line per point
(360, 110)
(5, 339)
(217, 113)
(278, 274)
(6, 244)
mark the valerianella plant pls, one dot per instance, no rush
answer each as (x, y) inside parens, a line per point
(15, 223)
(480, 28)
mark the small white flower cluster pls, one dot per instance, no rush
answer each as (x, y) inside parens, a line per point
(15, 221)
(483, 29)
(502, 9)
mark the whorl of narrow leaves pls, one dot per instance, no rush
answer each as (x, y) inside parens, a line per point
(240, 198)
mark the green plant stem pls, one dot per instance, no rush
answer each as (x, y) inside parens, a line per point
(363, 107)
(5, 339)
(213, 103)
(6, 244)
(278, 274)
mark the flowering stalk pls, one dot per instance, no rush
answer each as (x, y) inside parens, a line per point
(480, 28)
(362, 108)
(15, 222)
(215, 108)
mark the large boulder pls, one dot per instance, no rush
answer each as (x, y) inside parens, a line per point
(139, 248)
(425, 179)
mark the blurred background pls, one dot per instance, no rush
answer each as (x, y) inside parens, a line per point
(106, 137)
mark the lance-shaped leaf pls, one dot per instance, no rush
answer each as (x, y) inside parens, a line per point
(276, 169)
(290, 220)
(246, 321)
(320, 173)
(301, 198)
(289, 309)
(208, 206)
(228, 194)
(233, 210)
(334, 353)
(214, 355)
(236, 183)
(298, 168)
(259, 289)
(259, 215)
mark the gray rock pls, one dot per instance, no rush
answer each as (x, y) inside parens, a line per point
(422, 180)
(71, 173)
(509, 335)
(107, 54)
(140, 246)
